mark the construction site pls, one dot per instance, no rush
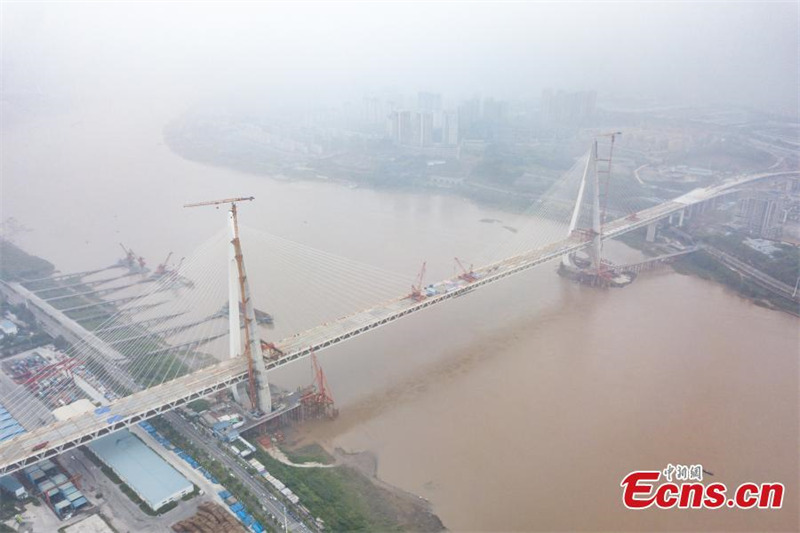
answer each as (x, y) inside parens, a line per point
(129, 329)
(138, 328)
(591, 267)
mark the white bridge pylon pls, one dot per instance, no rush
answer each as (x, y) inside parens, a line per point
(234, 322)
(591, 171)
(260, 396)
(56, 437)
(239, 296)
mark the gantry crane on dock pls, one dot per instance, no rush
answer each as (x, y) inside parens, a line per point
(162, 268)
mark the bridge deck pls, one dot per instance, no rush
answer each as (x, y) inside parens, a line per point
(61, 436)
(58, 437)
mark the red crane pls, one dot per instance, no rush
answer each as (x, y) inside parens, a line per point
(323, 391)
(607, 172)
(50, 370)
(468, 276)
(130, 256)
(274, 351)
(162, 268)
(319, 397)
(416, 289)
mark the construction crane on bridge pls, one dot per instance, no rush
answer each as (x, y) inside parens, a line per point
(318, 399)
(606, 171)
(258, 388)
(55, 438)
(601, 201)
(416, 288)
(217, 203)
(466, 275)
(274, 351)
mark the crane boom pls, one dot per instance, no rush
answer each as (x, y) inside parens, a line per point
(416, 289)
(465, 275)
(258, 387)
(218, 202)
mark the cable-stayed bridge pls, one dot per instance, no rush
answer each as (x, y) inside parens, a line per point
(147, 378)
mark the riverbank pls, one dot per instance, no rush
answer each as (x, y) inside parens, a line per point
(349, 496)
(703, 265)
(16, 263)
(382, 170)
(344, 493)
(418, 509)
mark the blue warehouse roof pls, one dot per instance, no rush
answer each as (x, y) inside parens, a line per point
(140, 467)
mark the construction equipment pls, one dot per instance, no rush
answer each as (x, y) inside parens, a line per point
(602, 197)
(467, 275)
(217, 203)
(607, 172)
(130, 257)
(162, 268)
(132, 262)
(318, 399)
(258, 388)
(416, 289)
(274, 351)
(65, 365)
(177, 280)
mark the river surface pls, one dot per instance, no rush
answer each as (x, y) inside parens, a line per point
(517, 407)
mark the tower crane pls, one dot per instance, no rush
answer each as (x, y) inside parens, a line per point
(607, 172)
(318, 397)
(217, 203)
(258, 386)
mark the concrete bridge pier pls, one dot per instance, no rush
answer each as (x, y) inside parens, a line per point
(651, 232)
(679, 215)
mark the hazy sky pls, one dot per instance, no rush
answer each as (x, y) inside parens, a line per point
(743, 52)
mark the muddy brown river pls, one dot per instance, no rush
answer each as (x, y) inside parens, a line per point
(517, 407)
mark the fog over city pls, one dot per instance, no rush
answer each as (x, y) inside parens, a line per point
(309, 53)
(416, 266)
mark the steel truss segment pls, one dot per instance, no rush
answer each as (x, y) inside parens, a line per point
(13, 457)
(526, 261)
(525, 265)
(101, 429)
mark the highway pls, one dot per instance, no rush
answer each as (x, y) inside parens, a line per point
(766, 281)
(257, 487)
(56, 323)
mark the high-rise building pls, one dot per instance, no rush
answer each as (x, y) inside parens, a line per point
(401, 129)
(406, 128)
(372, 111)
(495, 111)
(469, 115)
(429, 101)
(761, 212)
(567, 108)
(450, 128)
(422, 129)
